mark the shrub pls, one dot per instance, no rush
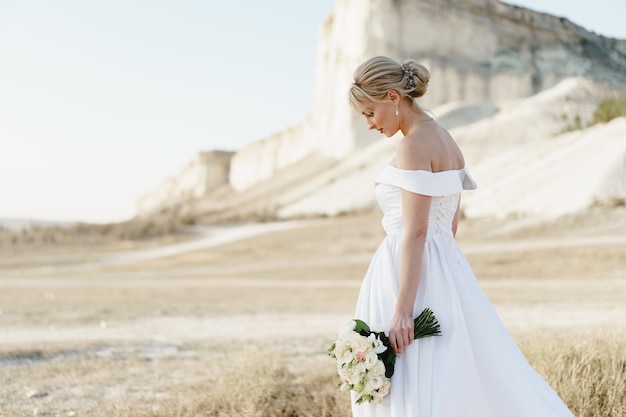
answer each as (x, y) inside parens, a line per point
(610, 109)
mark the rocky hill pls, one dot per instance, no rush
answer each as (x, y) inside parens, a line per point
(205, 175)
(488, 60)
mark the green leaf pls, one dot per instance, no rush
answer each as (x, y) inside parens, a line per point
(361, 326)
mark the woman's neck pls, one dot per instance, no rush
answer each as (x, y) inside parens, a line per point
(414, 118)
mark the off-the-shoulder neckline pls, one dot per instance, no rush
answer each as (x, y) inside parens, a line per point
(428, 172)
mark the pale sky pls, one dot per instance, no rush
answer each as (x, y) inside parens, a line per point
(100, 101)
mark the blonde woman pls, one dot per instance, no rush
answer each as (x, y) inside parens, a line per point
(475, 368)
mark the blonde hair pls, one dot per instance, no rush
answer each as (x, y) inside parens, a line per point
(375, 77)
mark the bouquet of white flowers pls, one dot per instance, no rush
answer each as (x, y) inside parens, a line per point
(365, 360)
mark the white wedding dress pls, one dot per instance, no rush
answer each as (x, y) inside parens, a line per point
(474, 369)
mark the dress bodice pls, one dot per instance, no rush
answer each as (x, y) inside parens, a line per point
(445, 187)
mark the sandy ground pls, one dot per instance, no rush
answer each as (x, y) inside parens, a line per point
(283, 282)
(139, 294)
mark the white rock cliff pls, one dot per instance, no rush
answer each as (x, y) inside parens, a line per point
(484, 56)
(205, 173)
(479, 50)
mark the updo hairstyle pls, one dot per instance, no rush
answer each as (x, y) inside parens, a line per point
(375, 77)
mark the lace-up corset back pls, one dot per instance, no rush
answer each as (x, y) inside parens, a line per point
(442, 210)
(444, 187)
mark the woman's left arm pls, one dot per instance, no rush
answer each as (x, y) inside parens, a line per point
(415, 209)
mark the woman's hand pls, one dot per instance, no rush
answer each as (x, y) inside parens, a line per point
(401, 332)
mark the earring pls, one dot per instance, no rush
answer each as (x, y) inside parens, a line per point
(396, 110)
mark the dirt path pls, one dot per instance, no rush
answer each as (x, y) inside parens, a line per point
(220, 235)
(243, 327)
(209, 237)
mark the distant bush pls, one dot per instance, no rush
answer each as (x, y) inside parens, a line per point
(88, 233)
(609, 109)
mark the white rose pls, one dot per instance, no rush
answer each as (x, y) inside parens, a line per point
(343, 352)
(377, 344)
(371, 359)
(375, 382)
(378, 369)
(361, 344)
(378, 399)
(350, 374)
(342, 371)
(359, 367)
(385, 387)
(346, 374)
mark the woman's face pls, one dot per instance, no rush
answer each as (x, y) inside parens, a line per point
(381, 117)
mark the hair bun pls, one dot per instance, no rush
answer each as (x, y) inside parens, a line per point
(374, 78)
(421, 76)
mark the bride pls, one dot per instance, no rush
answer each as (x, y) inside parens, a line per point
(475, 368)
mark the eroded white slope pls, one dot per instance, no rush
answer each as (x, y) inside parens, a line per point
(560, 175)
(520, 161)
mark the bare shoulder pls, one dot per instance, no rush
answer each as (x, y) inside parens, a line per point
(430, 149)
(414, 153)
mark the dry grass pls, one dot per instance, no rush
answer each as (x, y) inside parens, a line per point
(167, 380)
(137, 229)
(588, 371)
(262, 385)
(590, 378)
